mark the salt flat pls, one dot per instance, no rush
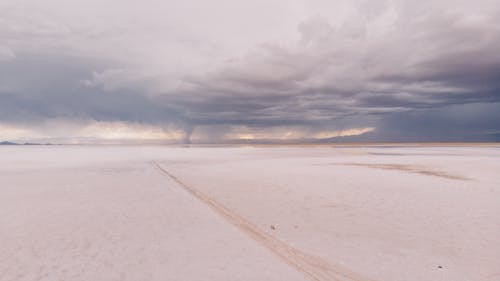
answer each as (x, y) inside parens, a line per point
(250, 213)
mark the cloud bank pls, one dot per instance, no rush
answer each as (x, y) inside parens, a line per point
(224, 71)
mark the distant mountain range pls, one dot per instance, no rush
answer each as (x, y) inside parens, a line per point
(8, 143)
(26, 143)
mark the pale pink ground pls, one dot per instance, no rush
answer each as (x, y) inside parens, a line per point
(288, 213)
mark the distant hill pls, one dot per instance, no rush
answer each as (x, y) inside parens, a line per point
(8, 143)
(27, 143)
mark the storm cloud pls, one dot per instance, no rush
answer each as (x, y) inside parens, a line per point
(223, 71)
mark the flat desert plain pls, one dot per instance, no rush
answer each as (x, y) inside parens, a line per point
(250, 213)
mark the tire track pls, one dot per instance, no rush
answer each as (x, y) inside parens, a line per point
(313, 267)
(407, 168)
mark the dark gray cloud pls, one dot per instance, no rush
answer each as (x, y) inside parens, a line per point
(425, 71)
(37, 88)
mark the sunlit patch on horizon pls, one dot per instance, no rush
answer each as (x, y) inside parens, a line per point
(285, 134)
(130, 131)
(343, 133)
(91, 132)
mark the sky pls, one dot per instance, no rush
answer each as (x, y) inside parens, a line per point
(103, 71)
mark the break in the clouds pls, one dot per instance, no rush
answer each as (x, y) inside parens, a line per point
(219, 71)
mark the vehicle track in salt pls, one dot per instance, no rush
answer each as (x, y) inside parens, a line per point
(415, 169)
(311, 266)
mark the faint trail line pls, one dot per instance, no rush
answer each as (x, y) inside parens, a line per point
(407, 168)
(313, 267)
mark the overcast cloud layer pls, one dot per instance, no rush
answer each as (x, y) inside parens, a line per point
(280, 70)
